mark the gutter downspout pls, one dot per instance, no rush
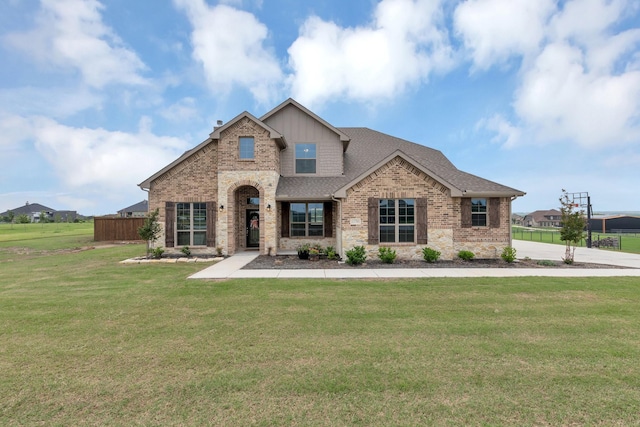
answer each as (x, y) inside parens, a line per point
(510, 224)
(338, 226)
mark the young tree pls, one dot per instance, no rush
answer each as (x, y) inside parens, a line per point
(10, 217)
(573, 224)
(150, 231)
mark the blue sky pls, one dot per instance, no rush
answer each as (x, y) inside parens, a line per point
(96, 96)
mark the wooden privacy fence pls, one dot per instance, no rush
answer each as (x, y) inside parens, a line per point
(113, 228)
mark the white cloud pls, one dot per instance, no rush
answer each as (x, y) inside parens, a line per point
(229, 44)
(495, 30)
(71, 34)
(28, 101)
(95, 159)
(579, 80)
(13, 130)
(561, 99)
(183, 110)
(506, 133)
(404, 44)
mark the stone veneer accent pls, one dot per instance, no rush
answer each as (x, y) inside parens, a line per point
(400, 179)
(261, 173)
(231, 221)
(216, 174)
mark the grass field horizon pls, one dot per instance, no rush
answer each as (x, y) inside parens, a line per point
(89, 341)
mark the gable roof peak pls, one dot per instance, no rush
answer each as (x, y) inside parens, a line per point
(290, 101)
(273, 134)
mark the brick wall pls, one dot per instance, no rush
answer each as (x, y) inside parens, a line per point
(400, 179)
(267, 154)
(193, 180)
(484, 242)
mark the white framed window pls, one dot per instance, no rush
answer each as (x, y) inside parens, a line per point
(246, 146)
(191, 224)
(397, 220)
(305, 158)
(307, 220)
(479, 212)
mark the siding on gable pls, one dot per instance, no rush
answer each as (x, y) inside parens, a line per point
(299, 127)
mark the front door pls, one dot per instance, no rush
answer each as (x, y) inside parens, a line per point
(253, 228)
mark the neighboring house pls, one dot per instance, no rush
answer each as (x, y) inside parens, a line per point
(289, 178)
(34, 211)
(550, 218)
(517, 219)
(140, 209)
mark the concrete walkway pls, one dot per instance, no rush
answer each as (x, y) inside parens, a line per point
(231, 268)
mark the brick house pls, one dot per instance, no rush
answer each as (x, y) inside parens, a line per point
(289, 177)
(548, 218)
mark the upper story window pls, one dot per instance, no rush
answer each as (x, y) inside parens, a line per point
(191, 224)
(397, 220)
(479, 212)
(247, 148)
(305, 158)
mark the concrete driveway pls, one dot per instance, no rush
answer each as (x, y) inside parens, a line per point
(536, 250)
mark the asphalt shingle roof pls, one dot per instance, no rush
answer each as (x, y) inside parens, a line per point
(367, 148)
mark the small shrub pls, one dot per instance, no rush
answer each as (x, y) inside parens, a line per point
(466, 255)
(219, 251)
(186, 251)
(430, 255)
(157, 253)
(508, 254)
(356, 256)
(387, 255)
(546, 263)
(331, 253)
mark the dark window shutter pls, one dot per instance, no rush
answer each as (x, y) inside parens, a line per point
(465, 213)
(494, 212)
(211, 224)
(284, 219)
(421, 220)
(169, 224)
(328, 219)
(373, 221)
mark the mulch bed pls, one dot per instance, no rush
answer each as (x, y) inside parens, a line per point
(292, 262)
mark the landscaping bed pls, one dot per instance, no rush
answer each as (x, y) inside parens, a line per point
(292, 262)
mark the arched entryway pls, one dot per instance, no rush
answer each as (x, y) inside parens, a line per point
(247, 218)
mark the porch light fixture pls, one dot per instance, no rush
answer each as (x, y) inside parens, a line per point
(269, 207)
(221, 208)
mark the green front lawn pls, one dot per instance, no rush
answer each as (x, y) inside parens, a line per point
(88, 341)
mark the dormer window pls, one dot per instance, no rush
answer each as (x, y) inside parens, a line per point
(305, 158)
(247, 148)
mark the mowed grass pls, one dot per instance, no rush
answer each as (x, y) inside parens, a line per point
(85, 340)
